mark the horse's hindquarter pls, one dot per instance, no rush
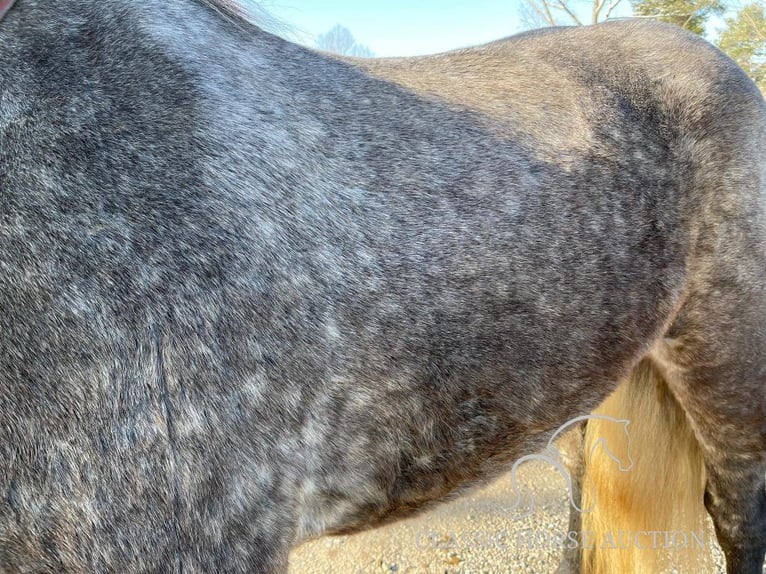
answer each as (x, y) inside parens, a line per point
(539, 235)
(266, 280)
(520, 266)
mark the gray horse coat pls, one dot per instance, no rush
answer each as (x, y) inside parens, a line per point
(251, 293)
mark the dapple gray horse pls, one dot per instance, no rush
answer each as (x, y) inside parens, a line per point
(251, 293)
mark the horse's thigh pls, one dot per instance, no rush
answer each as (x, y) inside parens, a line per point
(715, 362)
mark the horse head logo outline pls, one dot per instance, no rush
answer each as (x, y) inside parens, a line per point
(551, 455)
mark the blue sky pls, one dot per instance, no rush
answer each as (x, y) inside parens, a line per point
(406, 27)
(413, 27)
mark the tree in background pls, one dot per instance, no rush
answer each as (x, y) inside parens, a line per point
(563, 12)
(744, 40)
(691, 15)
(341, 41)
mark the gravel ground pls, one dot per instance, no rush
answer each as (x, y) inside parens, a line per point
(476, 534)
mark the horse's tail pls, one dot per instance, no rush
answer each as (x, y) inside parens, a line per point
(652, 516)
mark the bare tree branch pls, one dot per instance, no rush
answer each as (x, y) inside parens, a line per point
(612, 6)
(562, 4)
(543, 10)
(753, 24)
(688, 20)
(546, 10)
(598, 5)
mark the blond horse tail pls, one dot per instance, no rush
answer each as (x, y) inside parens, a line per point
(650, 518)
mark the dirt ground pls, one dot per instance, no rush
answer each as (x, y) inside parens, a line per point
(476, 534)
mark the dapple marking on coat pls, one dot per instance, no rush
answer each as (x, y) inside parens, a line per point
(251, 293)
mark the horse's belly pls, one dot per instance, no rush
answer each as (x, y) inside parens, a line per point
(457, 407)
